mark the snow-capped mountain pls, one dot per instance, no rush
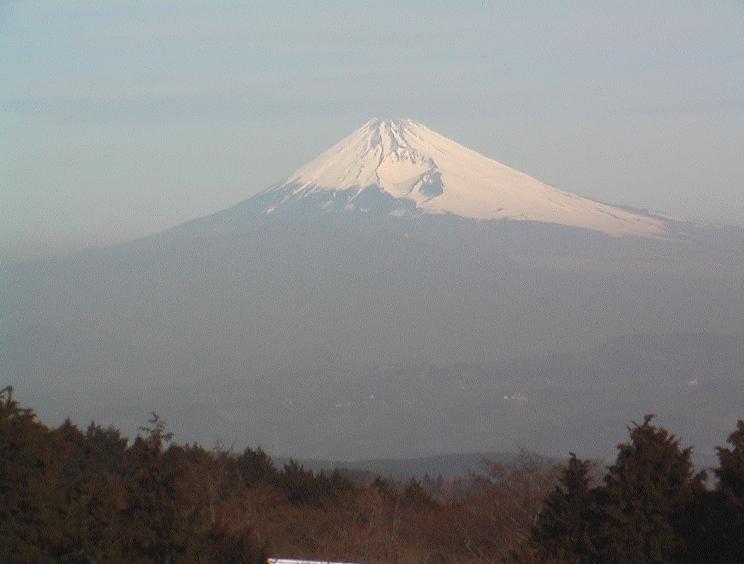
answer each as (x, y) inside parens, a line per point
(403, 168)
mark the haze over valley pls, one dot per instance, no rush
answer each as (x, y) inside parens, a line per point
(399, 296)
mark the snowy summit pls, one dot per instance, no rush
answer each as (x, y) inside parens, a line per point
(401, 168)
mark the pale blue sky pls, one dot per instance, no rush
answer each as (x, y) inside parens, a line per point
(118, 119)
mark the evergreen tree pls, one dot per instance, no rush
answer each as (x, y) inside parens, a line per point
(647, 489)
(727, 537)
(563, 529)
(31, 506)
(730, 472)
(256, 465)
(69, 496)
(157, 507)
(302, 487)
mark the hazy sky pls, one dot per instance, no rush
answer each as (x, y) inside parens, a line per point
(118, 119)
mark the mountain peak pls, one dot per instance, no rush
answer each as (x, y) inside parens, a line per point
(410, 169)
(376, 122)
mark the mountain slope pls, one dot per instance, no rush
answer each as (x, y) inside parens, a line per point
(402, 168)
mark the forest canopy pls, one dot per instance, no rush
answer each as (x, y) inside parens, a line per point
(74, 495)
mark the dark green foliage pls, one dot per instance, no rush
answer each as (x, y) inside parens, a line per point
(31, 507)
(649, 486)
(564, 526)
(82, 497)
(73, 496)
(302, 487)
(730, 472)
(157, 503)
(652, 507)
(723, 512)
(93, 493)
(69, 496)
(256, 466)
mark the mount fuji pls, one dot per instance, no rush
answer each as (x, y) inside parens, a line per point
(398, 290)
(401, 168)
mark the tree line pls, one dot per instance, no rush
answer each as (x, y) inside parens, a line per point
(650, 506)
(89, 496)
